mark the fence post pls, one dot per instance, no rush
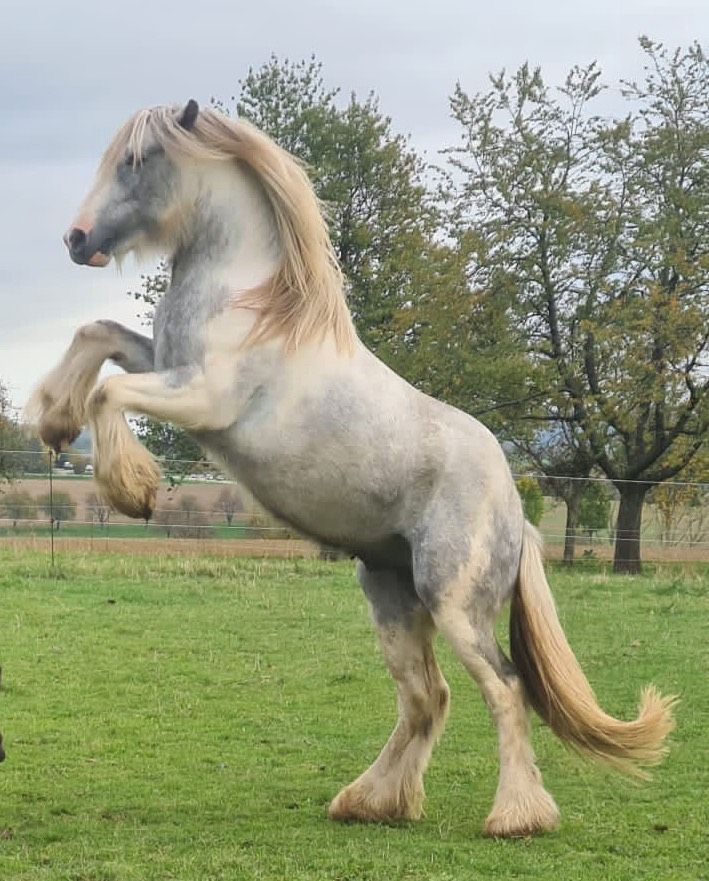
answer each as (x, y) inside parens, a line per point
(51, 506)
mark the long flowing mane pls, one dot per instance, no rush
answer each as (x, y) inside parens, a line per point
(305, 299)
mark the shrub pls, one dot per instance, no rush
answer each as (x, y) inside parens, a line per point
(17, 505)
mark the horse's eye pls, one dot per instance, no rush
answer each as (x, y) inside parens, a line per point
(129, 160)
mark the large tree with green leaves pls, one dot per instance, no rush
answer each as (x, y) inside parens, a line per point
(382, 218)
(407, 286)
(596, 237)
(455, 341)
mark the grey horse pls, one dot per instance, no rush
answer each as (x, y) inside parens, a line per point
(254, 353)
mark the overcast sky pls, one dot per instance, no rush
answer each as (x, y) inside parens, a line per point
(71, 72)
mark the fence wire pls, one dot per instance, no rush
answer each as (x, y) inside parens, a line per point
(54, 498)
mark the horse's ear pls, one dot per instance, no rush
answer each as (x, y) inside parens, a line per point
(188, 116)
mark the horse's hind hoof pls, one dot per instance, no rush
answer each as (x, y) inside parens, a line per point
(522, 814)
(2, 751)
(360, 802)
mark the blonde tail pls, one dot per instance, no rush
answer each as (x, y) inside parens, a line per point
(558, 689)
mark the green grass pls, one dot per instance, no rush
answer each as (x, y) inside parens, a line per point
(132, 530)
(191, 718)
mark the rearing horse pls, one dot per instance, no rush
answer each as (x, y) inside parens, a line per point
(254, 353)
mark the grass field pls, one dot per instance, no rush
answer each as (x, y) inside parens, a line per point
(190, 719)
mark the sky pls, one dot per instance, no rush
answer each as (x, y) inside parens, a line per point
(72, 72)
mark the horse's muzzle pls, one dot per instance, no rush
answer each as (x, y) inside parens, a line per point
(82, 251)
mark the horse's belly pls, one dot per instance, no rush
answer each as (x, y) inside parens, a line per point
(333, 495)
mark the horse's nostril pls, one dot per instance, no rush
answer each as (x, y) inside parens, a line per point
(76, 238)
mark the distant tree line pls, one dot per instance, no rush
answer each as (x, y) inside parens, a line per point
(182, 516)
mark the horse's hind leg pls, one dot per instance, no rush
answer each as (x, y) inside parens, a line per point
(465, 607)
(392, 788)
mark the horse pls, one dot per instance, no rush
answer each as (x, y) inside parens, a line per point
(255, 354)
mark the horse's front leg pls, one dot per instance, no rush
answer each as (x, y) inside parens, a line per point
(126, 472)
(58, 405)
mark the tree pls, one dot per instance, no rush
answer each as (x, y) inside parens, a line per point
(286, 100)
(34, 458)
(596, 235)
(152, 288)
(59, 507)
(456, 344)
(80, 463)
(382, 219)
(17, 505)
(565, 467)
(173, 446)
(532, 499)
(594, 508)
(229, 503)
(11, 439)
(407, 286)
(681, 505)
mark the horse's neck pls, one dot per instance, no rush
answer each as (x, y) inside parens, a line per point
(229, 245)
(230, 240)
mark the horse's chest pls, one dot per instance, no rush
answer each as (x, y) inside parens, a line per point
(178, 344)
(181, 321)
(178, 334)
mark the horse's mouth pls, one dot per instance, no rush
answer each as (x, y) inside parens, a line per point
(81, 251)
(99, 259)
(102, 255)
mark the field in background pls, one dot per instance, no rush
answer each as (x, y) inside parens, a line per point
(193, 513)
(190, 718)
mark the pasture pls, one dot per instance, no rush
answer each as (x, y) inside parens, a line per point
(190, 718)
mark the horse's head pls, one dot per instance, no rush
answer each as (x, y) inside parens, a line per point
(136, 192)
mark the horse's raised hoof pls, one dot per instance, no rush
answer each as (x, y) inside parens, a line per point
(130, 482)
(359, 803)
(522, 815)
(58, 429)
(140, 506)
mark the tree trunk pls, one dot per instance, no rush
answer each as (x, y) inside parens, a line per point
(627, 535)
(573, 501)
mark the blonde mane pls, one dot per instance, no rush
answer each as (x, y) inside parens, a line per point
(305, 299)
